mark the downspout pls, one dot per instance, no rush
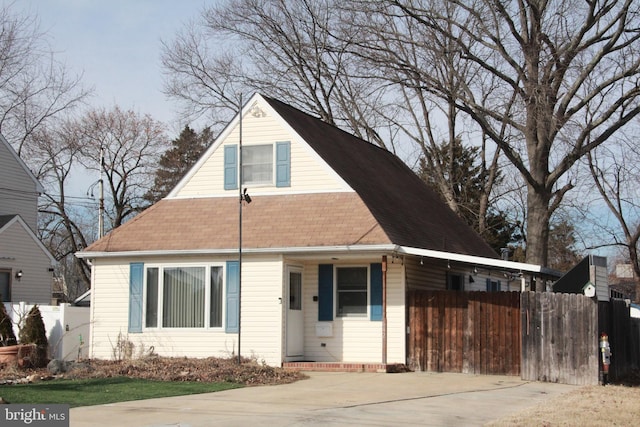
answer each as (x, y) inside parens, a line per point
(384, 309)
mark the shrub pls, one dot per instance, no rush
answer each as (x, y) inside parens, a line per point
(7, 336)
(33, 332)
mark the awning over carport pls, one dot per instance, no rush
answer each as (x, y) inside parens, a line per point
(489, 263)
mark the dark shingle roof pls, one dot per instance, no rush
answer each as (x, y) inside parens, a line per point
(391, 205)
(407, 209)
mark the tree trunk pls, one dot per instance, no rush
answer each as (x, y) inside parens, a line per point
(537, 226)
(633, 254)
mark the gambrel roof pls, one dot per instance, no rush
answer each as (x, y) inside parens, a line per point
(389, 205)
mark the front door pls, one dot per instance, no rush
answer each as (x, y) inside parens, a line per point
(295, 317)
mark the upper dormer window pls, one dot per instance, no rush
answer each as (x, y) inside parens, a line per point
(257, 165)
(262, 165)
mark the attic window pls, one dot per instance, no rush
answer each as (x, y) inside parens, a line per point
(257, 164)
(260, 164)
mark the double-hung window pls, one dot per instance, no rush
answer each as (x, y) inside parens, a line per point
(257, 164)
(183, 297)
(351, 291)
(262, 165)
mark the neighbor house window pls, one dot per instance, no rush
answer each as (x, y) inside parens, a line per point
(455, 282)
(351, 291)
(5, 286)
(184, 297)
(493, 285)
(257, 164)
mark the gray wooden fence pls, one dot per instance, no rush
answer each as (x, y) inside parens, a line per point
(559, 338)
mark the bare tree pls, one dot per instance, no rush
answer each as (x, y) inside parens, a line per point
(131, 145)
(562, 78)
(616, 174)
(407, 56)
(34, 86)
(307, 54)
(64, 220)
(296, 51)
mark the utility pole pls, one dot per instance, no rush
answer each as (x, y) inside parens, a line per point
(101, 200)
(240, 229)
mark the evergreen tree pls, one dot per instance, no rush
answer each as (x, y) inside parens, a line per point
(465, 184)
(175, 162)
(562, 240)
(34, 332)
(7, 336)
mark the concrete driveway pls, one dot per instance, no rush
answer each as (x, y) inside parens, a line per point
(336, 399)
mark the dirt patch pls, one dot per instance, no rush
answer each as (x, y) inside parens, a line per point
(167, 369)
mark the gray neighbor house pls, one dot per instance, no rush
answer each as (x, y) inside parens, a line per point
(26, 266)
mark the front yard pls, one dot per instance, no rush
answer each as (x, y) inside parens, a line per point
(100, 381)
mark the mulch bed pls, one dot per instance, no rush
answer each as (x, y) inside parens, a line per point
(165, 369)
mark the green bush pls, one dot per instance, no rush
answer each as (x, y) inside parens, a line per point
(7, 336)
(34, 332)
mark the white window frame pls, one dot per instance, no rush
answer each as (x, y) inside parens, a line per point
(364, 316)
(273, 166)
(207, 298)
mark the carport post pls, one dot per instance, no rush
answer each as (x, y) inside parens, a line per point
(384, 309)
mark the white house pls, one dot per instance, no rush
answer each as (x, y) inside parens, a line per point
(26, 266)
(337, 231)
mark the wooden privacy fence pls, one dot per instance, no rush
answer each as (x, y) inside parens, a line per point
(614, 319)
(468, 332)
(559, 338)
(540, 336)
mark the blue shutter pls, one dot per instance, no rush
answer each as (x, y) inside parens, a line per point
(283, 164)
(136, 278)
(233, 297)
(488, 285)
(375, 296)
(325, 292)
(230, 167)
(499, 286)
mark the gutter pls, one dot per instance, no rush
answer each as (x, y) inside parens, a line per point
(323, 250)
(311, 250)
(480, 261)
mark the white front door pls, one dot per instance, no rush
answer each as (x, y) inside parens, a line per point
(295, 317)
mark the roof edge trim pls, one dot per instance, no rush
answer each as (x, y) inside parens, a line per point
(285, 251)
(472, 259)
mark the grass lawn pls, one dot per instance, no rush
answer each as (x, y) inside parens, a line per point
(97, 391)
(595, 405)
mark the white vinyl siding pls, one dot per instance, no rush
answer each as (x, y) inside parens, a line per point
(356, 339)
(261, 319)
(309, 173)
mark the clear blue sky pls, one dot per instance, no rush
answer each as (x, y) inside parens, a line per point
(116, 44)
